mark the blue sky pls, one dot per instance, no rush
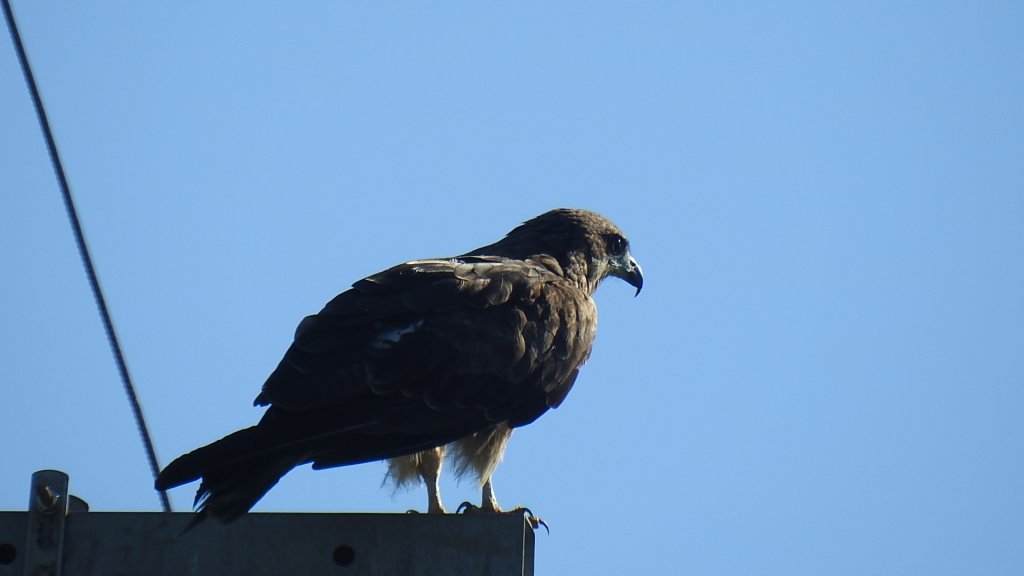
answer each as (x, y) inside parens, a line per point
(824, 373)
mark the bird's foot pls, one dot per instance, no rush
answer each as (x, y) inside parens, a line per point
(439, 510)
(535, 522)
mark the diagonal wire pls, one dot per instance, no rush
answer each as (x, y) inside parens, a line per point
(83, 250)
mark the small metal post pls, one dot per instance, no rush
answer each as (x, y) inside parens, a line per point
(47, 512)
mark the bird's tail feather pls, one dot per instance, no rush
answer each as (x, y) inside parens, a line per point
(236, 472)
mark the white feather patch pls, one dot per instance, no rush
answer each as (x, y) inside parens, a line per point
(386, 340)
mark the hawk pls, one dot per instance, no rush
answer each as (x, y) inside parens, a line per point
(452, 352)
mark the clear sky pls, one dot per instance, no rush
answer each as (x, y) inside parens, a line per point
(823, 375)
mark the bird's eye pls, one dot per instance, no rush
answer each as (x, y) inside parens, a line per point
(616, 244)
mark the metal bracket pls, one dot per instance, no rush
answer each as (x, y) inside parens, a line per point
(155, 543)
(47, 514)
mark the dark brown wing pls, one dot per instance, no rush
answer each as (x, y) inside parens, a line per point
(431, 351)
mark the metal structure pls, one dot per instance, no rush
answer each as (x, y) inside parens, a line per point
(59, 537)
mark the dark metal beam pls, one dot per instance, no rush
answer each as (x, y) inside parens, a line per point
(154, 543)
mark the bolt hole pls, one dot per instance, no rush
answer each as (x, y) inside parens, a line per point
(344, 555)
(7, 553)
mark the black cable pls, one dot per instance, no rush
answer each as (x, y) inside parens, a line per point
(83, 250)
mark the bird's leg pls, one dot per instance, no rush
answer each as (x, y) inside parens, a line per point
(488, 503)
(430, 470)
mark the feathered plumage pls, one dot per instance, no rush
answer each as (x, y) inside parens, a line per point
(427, 353)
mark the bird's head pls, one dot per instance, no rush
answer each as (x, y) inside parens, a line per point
(587, 246)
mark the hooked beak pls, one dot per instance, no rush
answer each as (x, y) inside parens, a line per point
(629, 270)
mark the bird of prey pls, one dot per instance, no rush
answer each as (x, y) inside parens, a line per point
(450, 352)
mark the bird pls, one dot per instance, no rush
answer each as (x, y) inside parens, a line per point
(426, 358)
